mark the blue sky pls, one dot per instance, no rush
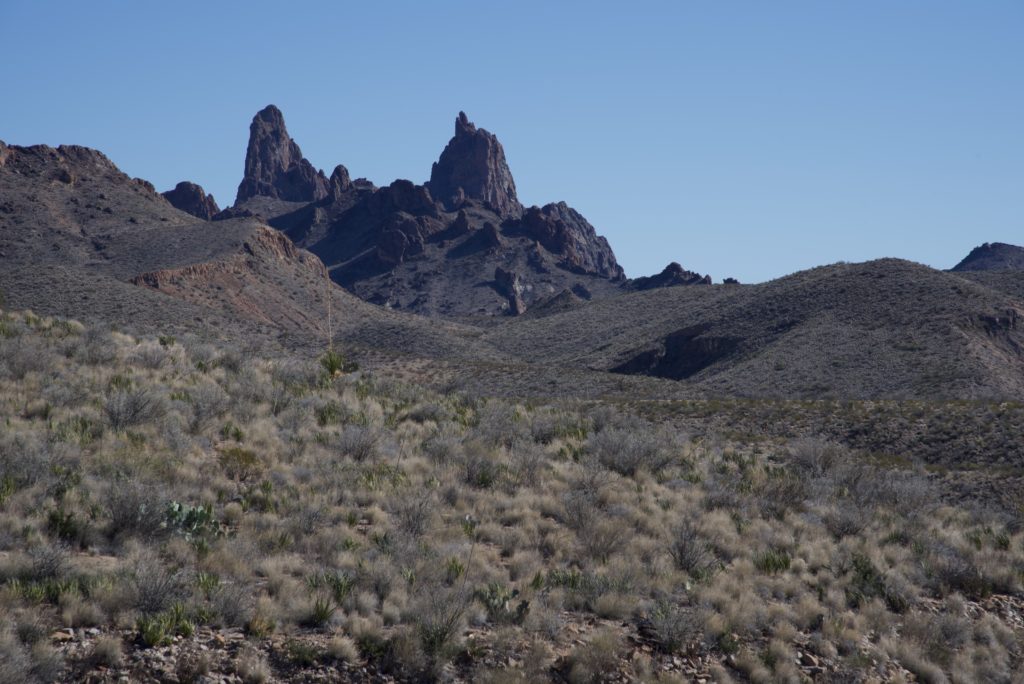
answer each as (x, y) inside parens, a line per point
(745, 139)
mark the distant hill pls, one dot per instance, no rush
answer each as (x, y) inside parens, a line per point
(885, 328)
(993, 256)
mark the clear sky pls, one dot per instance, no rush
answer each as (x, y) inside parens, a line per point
(746, 139)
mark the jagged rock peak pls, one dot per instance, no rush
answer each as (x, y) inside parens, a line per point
(473, 166)
(671, 276)
(563, 231)
(274, 165)
(192, 199)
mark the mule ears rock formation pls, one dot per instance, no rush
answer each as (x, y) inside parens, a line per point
(192, 199)
(274, 165)
(473, 166)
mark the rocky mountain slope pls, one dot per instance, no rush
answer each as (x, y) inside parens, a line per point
(80, 238)
(192, 199)
(461, 244)
(886, 328)
(993, 256)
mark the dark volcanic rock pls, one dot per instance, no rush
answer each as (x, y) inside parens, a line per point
(192, 199)
(562, 230)
(510, 285)
(274, 165)
(340, 182)
(994, 256)
(235, 212)
(430, 248)
(473, 166)
(673, 275)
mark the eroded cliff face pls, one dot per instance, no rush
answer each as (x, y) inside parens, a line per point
(431, 248)
(246, 281)
(274, 165)
(192, 199)
(473, 166)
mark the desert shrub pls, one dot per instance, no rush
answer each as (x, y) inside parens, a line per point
(603, 416)
(134, 509)
(584, 495)
(131, 407)
(867, 582)
(442, 447)
(438, 613)
(22, 355)
(46, 562)
(193, 666)
(672, 625)
(480, 466)
(252, 667)
(600, 537)
(96, 347)
(358, 442)
(547, 426)
(174, 434)
(231, 360)
(429, 412)
(232, 603)
(778, 492)
(952, 569)
(203, 356)
(240, 464)
(627, 451)
(15, 662)
(107, 651)
(208, 402)
(846, 518)
(150, 355)
(596, 660)
(295, 376)
(691, 553)
(47, 662)
(499, 424)
(528, 461)
(814, 457)
(412, 514)
(153, 587)
(25, 460)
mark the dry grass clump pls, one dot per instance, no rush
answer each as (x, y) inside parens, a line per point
(386, 524)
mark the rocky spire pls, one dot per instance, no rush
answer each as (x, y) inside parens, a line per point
(192, 199)
(274, 165)
(473, 166)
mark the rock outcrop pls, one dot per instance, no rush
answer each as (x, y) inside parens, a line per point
(473, 166)
(192, 199)
(671, 276)
(431, 248)
(993, 256)
(274, 165)
(509, 284)
(562, 230)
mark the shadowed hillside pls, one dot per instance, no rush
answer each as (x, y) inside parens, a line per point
(887, 328)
